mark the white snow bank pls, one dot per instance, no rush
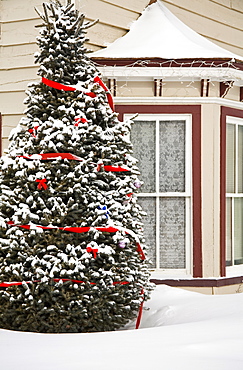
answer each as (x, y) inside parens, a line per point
(182, 330)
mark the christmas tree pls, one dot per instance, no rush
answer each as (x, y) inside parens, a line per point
(72, 254)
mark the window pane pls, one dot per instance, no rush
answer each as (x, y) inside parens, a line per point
(230, 158)
(172, 156)
(240, 159)
(238, 230)
(228, 231)
(172, 233)
(149, 221)
(143, 139)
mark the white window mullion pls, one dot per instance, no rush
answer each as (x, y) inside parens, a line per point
(188, 261)
(236, 158)
(188, 156)
(188, 190)
(166, 200)
(233, 230)
(157, 239)
(157, 160)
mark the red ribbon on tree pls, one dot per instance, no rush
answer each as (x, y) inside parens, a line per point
(140, 312)
(16, 283)
(85, 229)
(79, 120)
(112, 168)
(109, 96)
(92, 250)
(33, 130)
(59, 86)
(42, 184)
(50, 156)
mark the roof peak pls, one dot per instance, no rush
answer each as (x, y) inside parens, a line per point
(158, 33)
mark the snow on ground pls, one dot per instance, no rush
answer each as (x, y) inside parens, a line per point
(181, 331)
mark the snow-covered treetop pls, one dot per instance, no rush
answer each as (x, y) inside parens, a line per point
(62, 38)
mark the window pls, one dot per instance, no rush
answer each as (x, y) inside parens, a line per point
(162, 144)
(234, 191)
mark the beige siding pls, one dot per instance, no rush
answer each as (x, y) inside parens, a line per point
(228, 289)
(219, 20)
(114, 17)
(17, 44)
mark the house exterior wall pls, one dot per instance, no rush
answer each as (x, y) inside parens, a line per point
(210, 174)
(220, 21)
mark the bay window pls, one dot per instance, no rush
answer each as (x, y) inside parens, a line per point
(162, 144)
(234, 191)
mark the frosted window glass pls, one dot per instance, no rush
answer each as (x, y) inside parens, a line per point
(172, 233)
(238, 230)
(149, 221)
(230, 158)
(172, 156)
(143, 140)
(240, 159)
(171, 218)
(228, 231)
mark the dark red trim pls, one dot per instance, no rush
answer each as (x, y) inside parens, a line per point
(1, 127)
(195, 111)
(199, 282)
(157, 62)
(225, 111)
(196, 193)
(204, 87)
(224, 88)
(222, 192)
(241, 93)
(158, 83)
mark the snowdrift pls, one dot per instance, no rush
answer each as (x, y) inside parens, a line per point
(179, 330)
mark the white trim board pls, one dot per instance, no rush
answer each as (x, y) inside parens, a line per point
(153, 100)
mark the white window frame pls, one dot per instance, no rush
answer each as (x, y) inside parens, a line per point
(187, 194)
(234, 269)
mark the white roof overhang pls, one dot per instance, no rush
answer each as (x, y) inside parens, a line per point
(220, 74)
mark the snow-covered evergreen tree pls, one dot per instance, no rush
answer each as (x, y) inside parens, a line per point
(69, 165)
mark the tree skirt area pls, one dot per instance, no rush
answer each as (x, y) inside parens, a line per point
(179, 330)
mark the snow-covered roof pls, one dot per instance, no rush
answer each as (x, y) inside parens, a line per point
(160, 34)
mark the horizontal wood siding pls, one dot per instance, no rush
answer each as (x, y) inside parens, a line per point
(219, 20)
(17, 45)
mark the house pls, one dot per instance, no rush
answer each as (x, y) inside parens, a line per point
(188, 135)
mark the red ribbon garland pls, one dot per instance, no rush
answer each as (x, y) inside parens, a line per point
(109, 96)
(16, 283)
(109, 229)
(59, 86)
(108, 168)
(42, 184)
(50, 156)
